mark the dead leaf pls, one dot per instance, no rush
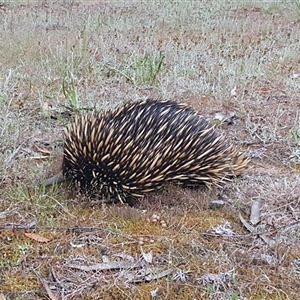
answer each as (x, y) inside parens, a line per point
(233, 92)
(154, 293)
(269, 241)
(147, 256)
(247, 225)
(45, 106)
(42, 150)
(255, 212)
(153, 276)
(36, 237)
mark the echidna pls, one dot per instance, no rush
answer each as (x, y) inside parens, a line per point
(141, 146)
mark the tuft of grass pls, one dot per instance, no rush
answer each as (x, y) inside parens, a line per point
(70, 93)
(294, 132)
(147, 68)
(141, 71)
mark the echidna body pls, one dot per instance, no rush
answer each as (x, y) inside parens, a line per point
(141, 146)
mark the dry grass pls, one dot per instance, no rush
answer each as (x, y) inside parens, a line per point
(229, 57)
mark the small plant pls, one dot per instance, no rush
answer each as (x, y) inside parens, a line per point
(111, 227)
(20, 251)
(235, 296)
(3, 264)
(24, 249)
(5, 90)
(70, 92)
(295, 135)
(147, 68)
(143, 70)
(294, 132)
(211, 289)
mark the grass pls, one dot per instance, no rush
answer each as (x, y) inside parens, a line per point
(297, 7)
(231, 58)
(142, 71)
(70, 93)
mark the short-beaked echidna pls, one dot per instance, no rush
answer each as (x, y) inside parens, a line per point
(140, 146)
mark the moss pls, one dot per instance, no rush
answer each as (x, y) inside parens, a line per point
(164, 290)
(15, 280)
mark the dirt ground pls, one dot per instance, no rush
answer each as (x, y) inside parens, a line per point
(236, 63)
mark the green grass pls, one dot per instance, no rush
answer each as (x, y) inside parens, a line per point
(141, 71)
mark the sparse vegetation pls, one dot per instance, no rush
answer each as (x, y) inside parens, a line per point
(70, 93)
(297, 7)
(142, 71)
(239, 59)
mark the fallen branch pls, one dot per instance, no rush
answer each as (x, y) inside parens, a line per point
(109, 266)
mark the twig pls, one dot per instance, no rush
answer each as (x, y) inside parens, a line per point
(109, 266)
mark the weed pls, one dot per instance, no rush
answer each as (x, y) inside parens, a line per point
(211, 289)
(70, 92)
(235, 296)
(3, 264)
(142, 71)
(24, 249)
(294, 132)
(113, 228)
(147, 68)
(21, 250)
